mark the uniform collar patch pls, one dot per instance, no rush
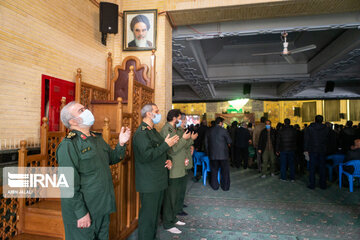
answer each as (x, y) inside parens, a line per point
(71, 135)
(83, 136)
(146, 127)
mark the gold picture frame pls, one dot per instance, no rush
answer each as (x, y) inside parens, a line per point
(140, 29)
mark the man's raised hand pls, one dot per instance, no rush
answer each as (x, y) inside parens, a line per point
(186, 135)
(124, 135)
(171, 141)
(194, 136)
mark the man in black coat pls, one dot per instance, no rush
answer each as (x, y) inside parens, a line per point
(232, 132)
(217, 145)
(286, 146)
(348, 135)
(333, 145)
(315, 143)
(242, 138)
(266, 147)
(199, 142)
(300, 161)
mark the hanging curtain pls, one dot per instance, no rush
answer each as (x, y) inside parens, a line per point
(308, 112)
(355, 110)
(332, 110)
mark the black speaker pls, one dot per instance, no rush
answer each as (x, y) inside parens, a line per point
(109, 13)
(342, 115)
(247, 88)
(297, 111)
(329, 87)
(108, 19)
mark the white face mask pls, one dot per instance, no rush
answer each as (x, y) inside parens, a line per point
(87, 118)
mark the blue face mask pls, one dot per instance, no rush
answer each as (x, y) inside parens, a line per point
(87, 118)
(178, 124)
(268, 126)
(157, 118)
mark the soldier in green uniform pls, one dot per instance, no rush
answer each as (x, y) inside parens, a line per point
(151, 170)
(86, 215)
(178, 154)
(188, 163)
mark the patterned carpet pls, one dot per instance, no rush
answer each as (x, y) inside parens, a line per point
(256, 208)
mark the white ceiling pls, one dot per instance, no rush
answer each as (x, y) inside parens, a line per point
(213, 61)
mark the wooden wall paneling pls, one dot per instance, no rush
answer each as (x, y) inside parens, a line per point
(102, 111)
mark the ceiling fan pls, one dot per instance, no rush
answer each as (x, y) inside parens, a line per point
(287, 53)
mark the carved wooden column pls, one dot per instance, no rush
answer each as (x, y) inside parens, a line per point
(131, 89)
(62, 127)
(106, 131)
(108, 75)
(78, 86)
(119, 115)
(44, 141)
(21, 163)
(153, 69)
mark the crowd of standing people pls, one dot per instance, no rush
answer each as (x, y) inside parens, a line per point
(286, 149)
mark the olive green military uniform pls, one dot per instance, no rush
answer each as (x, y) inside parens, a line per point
(90, 157)
(177, 178)
(180, 131)
(151, 177)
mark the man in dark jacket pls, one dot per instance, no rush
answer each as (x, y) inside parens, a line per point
(255, 139)
(286, 146)
(315, 144)
(348, 136)
(300, 162)
(242, 138)
(232, 132)
(199, 142)
(266, 147)
(332, 141)
(217, 145)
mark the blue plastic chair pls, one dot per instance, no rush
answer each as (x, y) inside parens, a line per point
(197, 160)
(337, 159)
(206, 169)
(356, 165)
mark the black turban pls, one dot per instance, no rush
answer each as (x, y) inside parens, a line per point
(139, 18)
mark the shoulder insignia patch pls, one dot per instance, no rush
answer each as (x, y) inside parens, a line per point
(71, 135)
(170, 129)
(143, 128)
(86, 150)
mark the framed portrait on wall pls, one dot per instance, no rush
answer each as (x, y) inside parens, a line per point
(139, 30)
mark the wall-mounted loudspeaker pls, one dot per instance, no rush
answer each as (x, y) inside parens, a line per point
(329, 87)
(297, 111)
(109, 13)
(247, 88)
(342, 115)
